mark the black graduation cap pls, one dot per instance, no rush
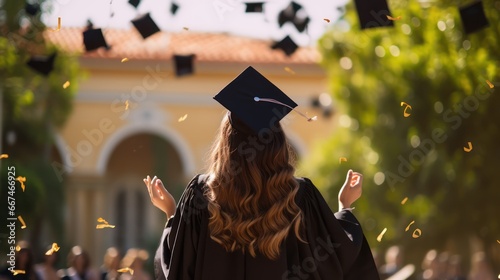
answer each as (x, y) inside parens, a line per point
(289, 13)
(94, 39)
(184, 64)
(256, 7)
(32, 9)
(373, 13)
(287, 45)
(42, 64)
(134, 3)
(173, 8)
(145, 25)
(473, 17)
(254, 101)
(301, 23)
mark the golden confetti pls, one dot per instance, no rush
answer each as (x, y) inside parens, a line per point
(58, 25)
(408, 227)
(18, 248)
(379, 237)
(101, 220)
(4, 156)
(185, 28)
(490, 84)
(52, 250)
(126, 269)
(289, 70)
(21, 180)
(126, 104)
(66, 85)
(327, 20)
(468, 148)
(404, 200)
(406, 114)
(342, 159)
(101, 226)
(392, 18)
(416, 233)
(22, 222)
(124, 59)
(498, 241)
(18, 271)
(183, 118)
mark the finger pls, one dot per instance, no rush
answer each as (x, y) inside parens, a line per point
(349, 176)
(159, 188)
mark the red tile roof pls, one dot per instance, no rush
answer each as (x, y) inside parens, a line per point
(211, 47)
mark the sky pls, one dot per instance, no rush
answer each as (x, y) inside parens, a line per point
(219, 16)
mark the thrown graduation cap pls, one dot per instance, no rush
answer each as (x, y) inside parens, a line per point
(255, 102)
(373, 13)
(134, 3)
(473, 17)
(145, 25)
(94, 39)
(301, 23)
(173, 8)
(287, 45)
(184, 64)
(42, 64)
(256, 7)
(32, 9)
(289, 13)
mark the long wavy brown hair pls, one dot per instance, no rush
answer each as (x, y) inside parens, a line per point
(251, 191)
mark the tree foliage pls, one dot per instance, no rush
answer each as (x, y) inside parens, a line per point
(34, 107)
(427, 61)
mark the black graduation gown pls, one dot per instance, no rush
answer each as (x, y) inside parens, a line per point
(336, 247)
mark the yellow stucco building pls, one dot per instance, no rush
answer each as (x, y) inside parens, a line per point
(127, 123)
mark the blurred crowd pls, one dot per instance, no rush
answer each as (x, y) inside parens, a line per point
(435, 266)
(78, 267)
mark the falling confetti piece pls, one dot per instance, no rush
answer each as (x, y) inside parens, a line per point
(52, 250)
(490, 84)
(126, 104)
(392, 18)
(416, 233)
(126, 269)
(406, 114)
(124, 59)
(101, 226)
(101, 220)
(468, 148)
(66, 85)
(404, 200)
(58, 25)
(408, 227)
(185, 28)
(498, 241)
(327, 20)
(289, 70)
(342, 159)
(379, 237)
(183, 118)
(4, 156)
(22, 222)
(18, 271)
(21, 180)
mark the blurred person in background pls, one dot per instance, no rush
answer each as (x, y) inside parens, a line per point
(24, 264)
(455, 269)
(78, 266)
(480, 268)
(47, 269)
(430, 266)
(135, 260)
(111, 264)
(393, 262)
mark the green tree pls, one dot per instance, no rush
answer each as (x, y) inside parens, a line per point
(34, 106)
(427, 61)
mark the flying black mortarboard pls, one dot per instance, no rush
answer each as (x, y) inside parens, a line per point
(255, 7)
(173, 8)
(473, 17)
(289, 13)
(184, 64)
(145, 25)
(254, 102)
(42, 64)
(373, 13)
(94, 39)
(287, 45)
(134, 3)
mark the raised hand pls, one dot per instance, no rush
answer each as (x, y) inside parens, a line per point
(159, 195)
(351, 190)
